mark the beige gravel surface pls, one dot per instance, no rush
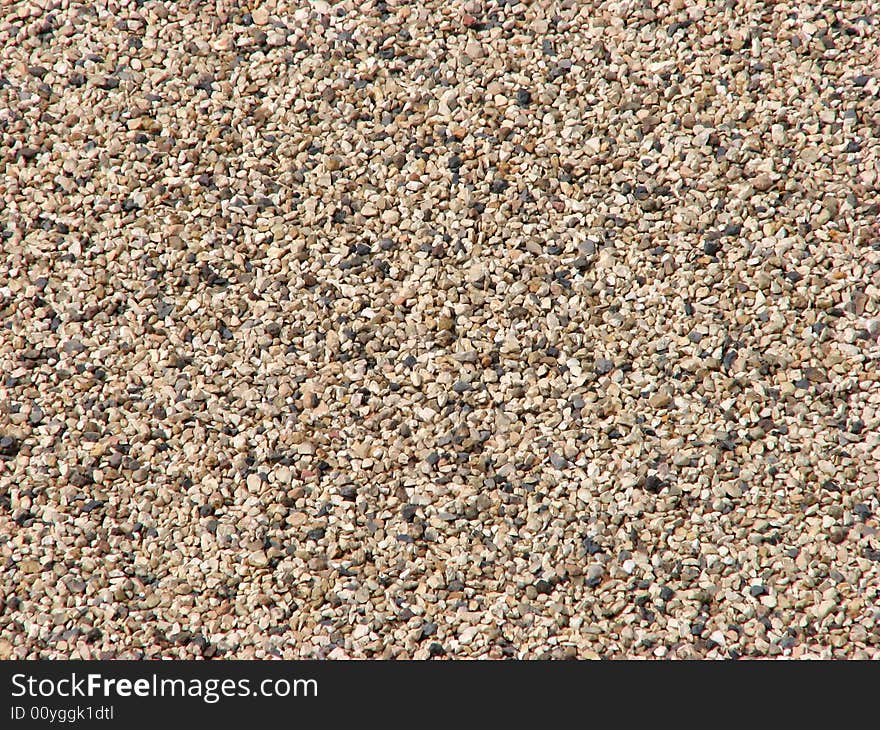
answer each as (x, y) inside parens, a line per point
(440, 329)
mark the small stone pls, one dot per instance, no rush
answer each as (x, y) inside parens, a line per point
(653, 484)
(29, 566)
(762, 182)
(544, 587)
(659, 400)
(603, 366)
(718, 638)
(474, 49)
(258, 559)
(9, 446)
(34, 418)
(560, 462)
(594, 575)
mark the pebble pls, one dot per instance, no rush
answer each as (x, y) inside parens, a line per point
(604, 366)
(594, 575)
(659, 400)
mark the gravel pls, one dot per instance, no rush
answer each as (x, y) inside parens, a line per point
(439, 330)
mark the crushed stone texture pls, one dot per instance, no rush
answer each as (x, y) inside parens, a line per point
(439, 329)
